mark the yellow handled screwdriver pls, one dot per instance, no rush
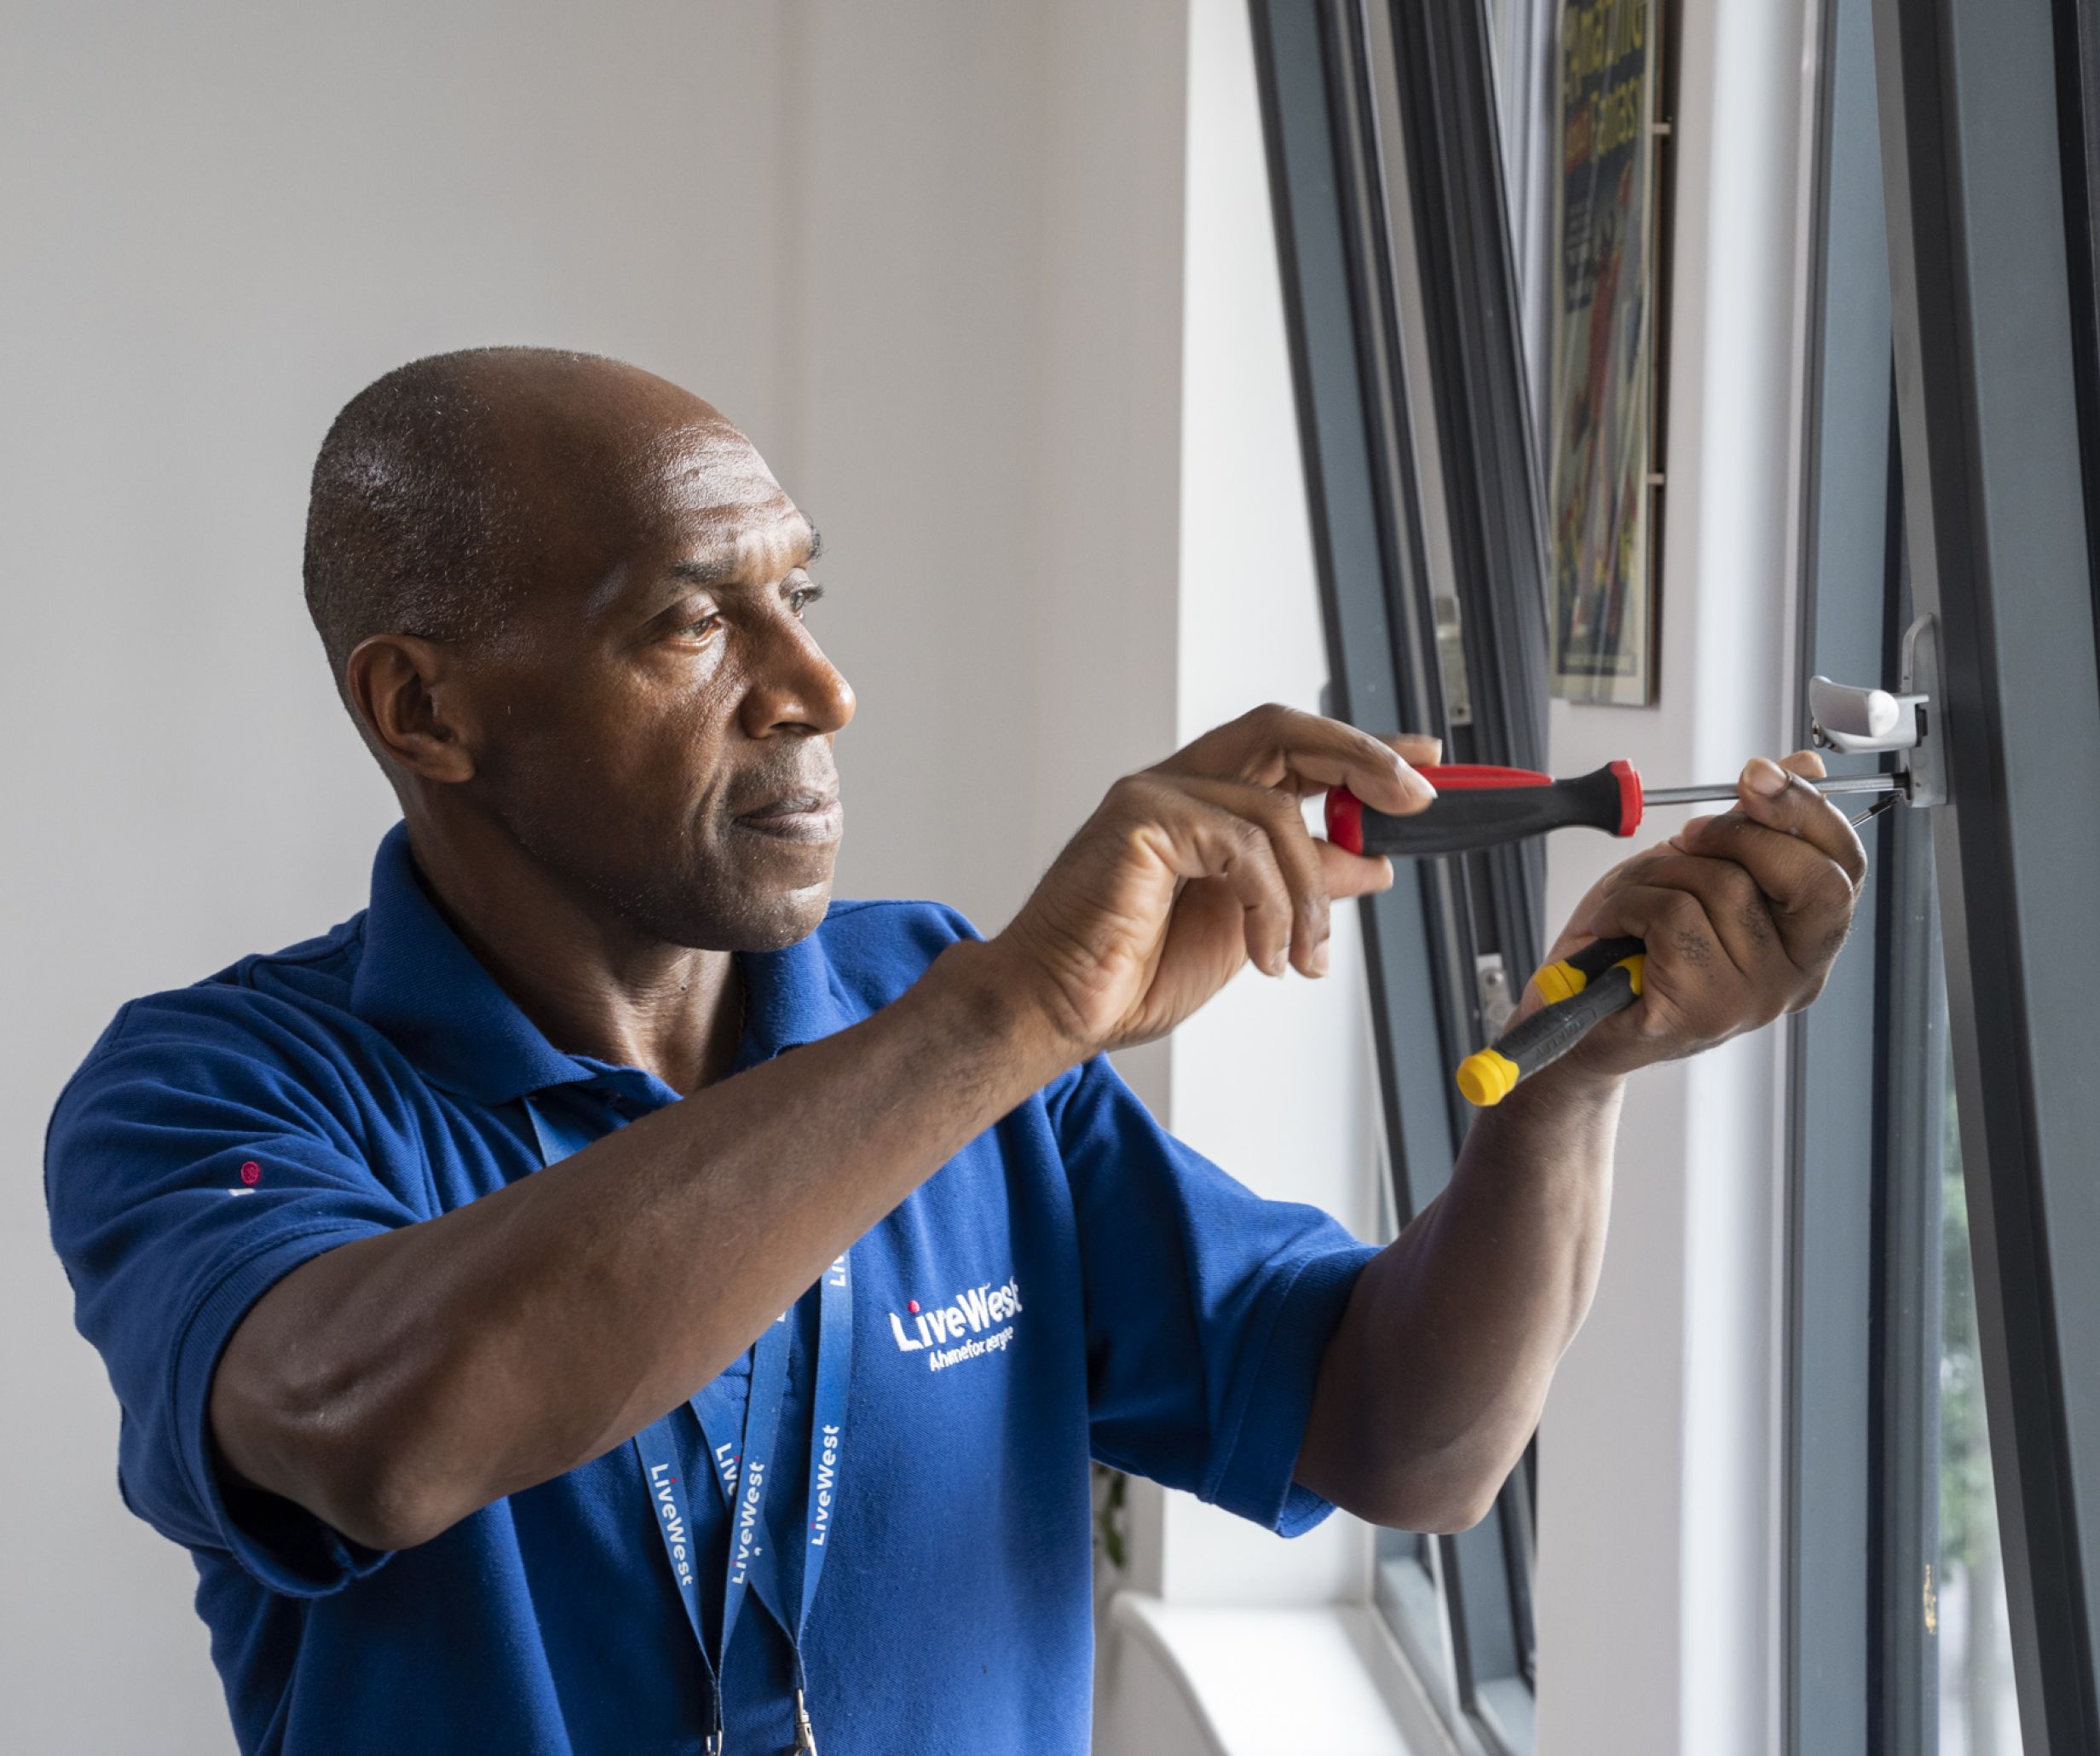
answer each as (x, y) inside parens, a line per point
(1581, 990)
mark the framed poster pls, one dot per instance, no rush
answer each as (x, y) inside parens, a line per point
(1600, 503)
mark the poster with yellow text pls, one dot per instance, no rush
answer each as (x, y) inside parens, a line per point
(1603, 608)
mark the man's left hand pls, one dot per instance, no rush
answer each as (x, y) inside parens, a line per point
(1742, 914)
(1433, 1380)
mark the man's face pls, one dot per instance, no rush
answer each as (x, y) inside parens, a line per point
(657, 720)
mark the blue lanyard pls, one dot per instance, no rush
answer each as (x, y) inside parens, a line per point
(834, 1357)
(834, 1366)
(741, 1474)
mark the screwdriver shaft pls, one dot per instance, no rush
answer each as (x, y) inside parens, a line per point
(1835, 784)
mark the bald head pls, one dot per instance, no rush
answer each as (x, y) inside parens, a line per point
(564, 600)
(448, 490)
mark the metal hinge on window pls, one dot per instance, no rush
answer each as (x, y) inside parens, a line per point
(1497, 1001)
(1450, 653)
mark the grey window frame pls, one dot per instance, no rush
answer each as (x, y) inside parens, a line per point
(1992, 410)
(1467, 1620)
(1865, 1093)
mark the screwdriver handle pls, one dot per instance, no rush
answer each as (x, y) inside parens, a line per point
(1566, 979)
(1489, 1076)
(1478, 807)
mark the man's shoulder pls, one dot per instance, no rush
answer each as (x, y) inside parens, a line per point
(879, 947)
(275, 1005)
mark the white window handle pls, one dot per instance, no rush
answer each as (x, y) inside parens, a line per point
(1862, 720)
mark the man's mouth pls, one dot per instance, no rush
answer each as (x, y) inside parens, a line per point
(811, 816)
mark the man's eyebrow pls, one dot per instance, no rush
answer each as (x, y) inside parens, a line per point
(706, 573)
(723, 567)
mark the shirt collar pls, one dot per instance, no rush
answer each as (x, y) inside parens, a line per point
(792, 997)
(417, 982)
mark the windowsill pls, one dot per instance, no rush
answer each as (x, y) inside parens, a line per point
(1250, 1682)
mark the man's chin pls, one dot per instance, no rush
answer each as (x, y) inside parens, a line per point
(781, 902)
(757, 898)
(791, 917)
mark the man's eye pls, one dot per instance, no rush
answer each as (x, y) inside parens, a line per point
(802, 597)
(700, 627)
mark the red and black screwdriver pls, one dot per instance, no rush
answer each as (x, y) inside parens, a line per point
(1477, 806)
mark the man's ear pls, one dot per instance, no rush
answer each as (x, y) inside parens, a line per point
(407, 693)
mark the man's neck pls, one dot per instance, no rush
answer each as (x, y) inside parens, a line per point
(585, 977)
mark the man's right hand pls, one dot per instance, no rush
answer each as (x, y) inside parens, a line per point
(1190, 869)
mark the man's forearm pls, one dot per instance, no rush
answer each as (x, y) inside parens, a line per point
(397, 1383)
(1434, 1378)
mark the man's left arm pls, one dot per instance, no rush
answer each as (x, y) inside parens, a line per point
(1434, 1378)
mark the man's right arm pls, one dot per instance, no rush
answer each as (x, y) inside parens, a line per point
(399, 1382)
(395, 1384)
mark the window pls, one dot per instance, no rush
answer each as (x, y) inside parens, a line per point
(1943, 1450)
(1384, 132)
(1964, 1599)
(1986, 122)
(1941, 1465)
(1863, 1392)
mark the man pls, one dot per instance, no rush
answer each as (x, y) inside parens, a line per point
(440, 1263)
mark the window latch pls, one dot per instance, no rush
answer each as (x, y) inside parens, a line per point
(1864, 721)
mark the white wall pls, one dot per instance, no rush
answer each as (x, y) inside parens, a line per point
(1659, 1470)
(1273, 1079)
(928, 253)
(1233, 1641)
(979, 408)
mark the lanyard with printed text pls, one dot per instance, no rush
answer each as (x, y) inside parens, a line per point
(742, 1476)
(656, 1449)
(834, 1367)
(741, 1473)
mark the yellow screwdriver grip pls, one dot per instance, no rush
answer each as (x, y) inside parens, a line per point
(1487, 1078)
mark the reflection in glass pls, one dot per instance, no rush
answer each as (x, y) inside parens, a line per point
(1978, 1715)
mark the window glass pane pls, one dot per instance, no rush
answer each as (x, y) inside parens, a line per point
(1406, 1591)
(1978, 1714)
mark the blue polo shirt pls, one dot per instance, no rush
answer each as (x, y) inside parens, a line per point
(1159, 1318)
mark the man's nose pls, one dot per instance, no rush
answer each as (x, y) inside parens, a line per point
(795, 688)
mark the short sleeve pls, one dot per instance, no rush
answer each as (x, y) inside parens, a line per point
(195, 1160)
(1207, 1308)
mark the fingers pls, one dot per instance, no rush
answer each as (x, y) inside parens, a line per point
(1199, 842)
(1349, 875)
(1737, 917)
(1741, 914)
(1805, 763)
(1278, 848)
(1796, 843)
(1284, 749)
(1781, 799)
(1808, 896)
(1254, 840)
(1807, 863)
(1692, 991)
